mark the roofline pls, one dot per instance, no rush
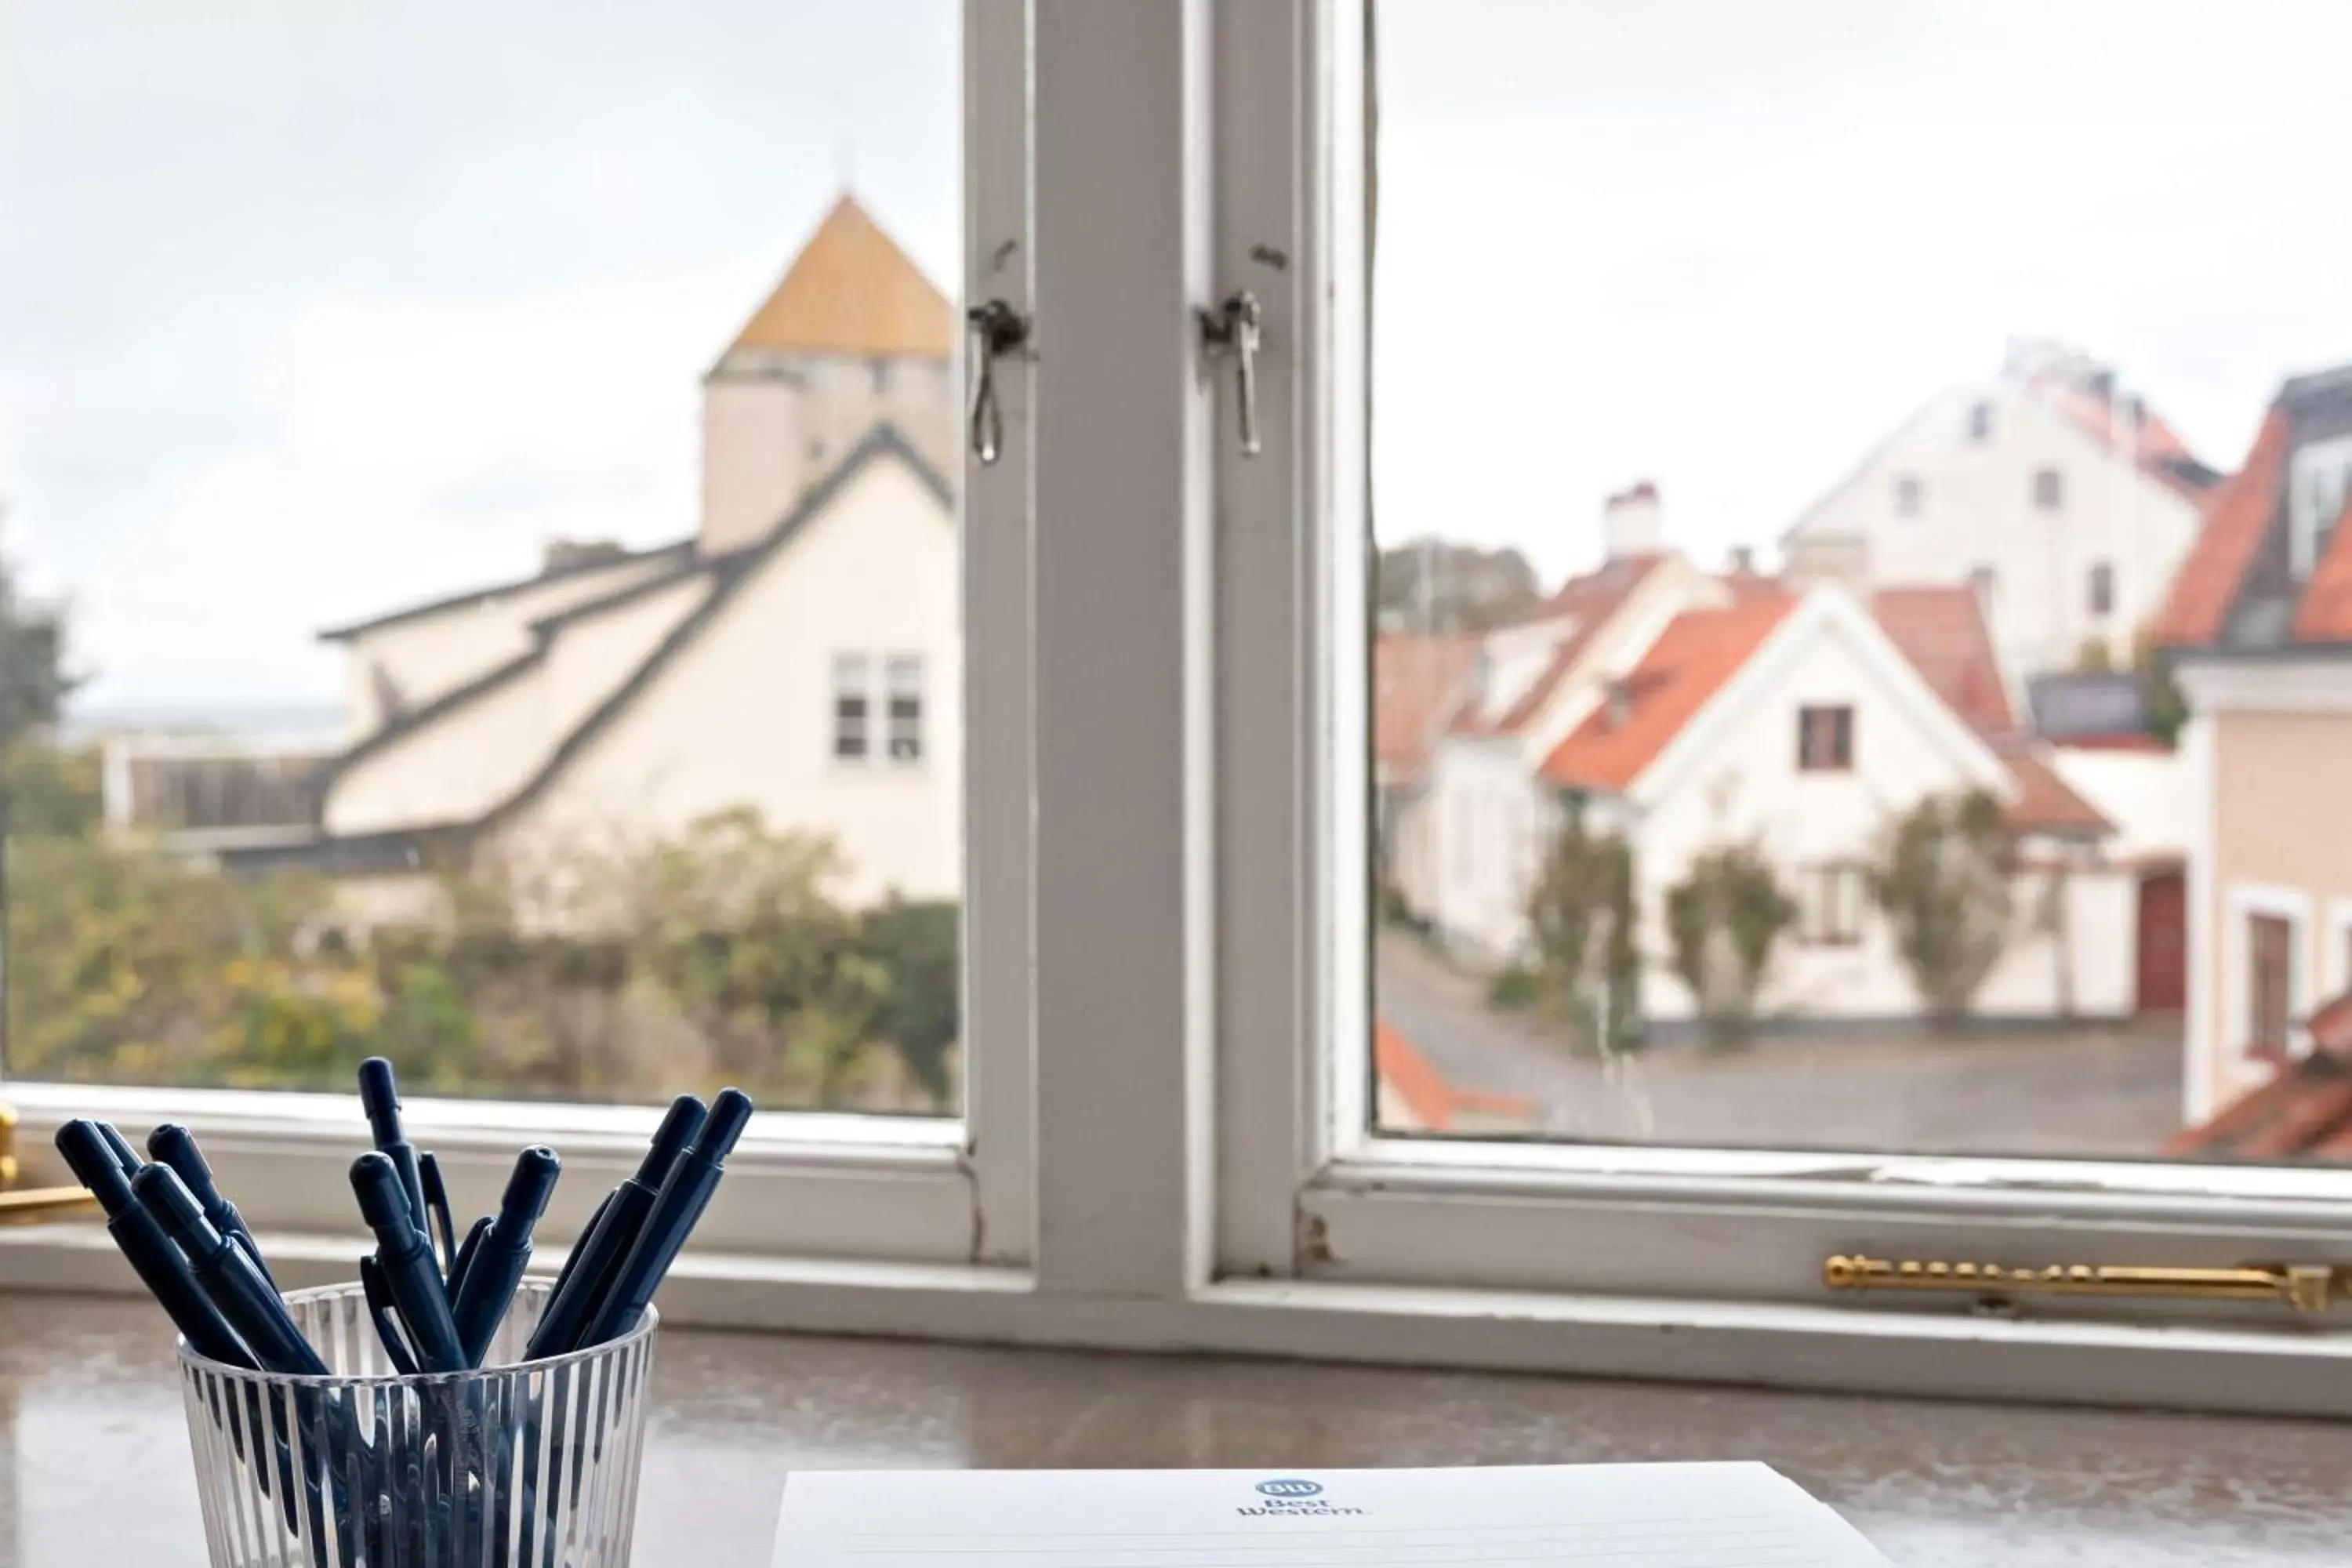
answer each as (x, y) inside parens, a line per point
(2267, 653)
(497, 590)
(732, 571)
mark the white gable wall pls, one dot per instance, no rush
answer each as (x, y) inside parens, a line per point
(742, 714)
(1485, 822)
(1977, 508)
(435, 654)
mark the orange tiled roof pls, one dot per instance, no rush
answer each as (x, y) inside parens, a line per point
(1942, 630)
(1416, 682)
(2158, 446)
(850, 290)
(1588, 601)
(2237, 514)
(2325, 613)
(2046, 802)
(1698, 651)
(1433, 1100)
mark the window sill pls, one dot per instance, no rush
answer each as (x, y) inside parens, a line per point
(2281, 1370)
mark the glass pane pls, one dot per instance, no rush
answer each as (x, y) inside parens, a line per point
(452, 461)
(1861, 612)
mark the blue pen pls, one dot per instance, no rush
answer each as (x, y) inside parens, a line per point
(683, 1198)
(143, 1241)
(437, 1204)
(175, 1146)
(495, 1261)
(124, 1154)
(380, 1098)
(587, 1277)
(235, 1285)
(404, 1259)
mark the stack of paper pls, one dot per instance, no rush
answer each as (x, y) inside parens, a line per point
(1611, 1516)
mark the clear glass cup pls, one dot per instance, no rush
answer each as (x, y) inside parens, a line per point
(520, 1465)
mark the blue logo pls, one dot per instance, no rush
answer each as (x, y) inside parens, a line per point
(1290, 1487)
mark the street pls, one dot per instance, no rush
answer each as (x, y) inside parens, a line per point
(2084, 1092)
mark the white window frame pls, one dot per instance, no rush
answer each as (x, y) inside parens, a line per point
(2241, 902)
(895, 689)
(2307, 521)
(1167, 1142)
(853, 677)
(907, 1190)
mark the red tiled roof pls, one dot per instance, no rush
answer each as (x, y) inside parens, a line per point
(1416, 682)
(2306, 1110)
(2046, 802)
(2237, 514)
(2325, 613)
(2158, 446)
(1588, 601)
(1698, 651)
(1942, 630)
(1435, 1102)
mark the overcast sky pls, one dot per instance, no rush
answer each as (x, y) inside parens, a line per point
(310, 308)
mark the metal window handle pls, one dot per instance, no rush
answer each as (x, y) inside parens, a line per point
(2306, 1287)
(1236, 328)
(997, 330)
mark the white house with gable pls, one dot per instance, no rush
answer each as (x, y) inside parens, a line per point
(801, 655)
(2066, 502)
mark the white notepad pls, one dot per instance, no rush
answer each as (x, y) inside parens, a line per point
(1537, 1516)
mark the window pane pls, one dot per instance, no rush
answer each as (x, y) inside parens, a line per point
(1794, 707)
(470, 471)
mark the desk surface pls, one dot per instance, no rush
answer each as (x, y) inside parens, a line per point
(94, 1461)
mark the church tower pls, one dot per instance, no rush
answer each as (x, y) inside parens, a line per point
(853, 336)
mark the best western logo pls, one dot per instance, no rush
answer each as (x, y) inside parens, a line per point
(1288, 1497)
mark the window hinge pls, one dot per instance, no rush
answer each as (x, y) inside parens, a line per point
(2306, 1287)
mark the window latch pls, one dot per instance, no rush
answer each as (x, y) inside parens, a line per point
(2307, 1288)
(1235, 328)
(997, 330)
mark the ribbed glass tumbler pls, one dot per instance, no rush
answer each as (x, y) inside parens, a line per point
(530, 1464)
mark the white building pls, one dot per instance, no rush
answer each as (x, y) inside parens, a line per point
(2067, 504)
(1688, 712)
(801, 655)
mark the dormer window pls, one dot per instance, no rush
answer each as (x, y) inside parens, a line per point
(1908, 495)
(2319, 484)
(1980, 422)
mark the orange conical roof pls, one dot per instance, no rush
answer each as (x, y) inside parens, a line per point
(850, 290)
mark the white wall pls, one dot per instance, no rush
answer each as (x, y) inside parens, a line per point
(2145, 793)
(744, 715)
(1485, 823)
(476, 756)
(1978, 508)
(433, 655)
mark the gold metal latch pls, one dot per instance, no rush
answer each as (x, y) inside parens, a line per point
(35, 1204)
(2306, 1287)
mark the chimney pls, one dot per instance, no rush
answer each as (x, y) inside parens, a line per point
(562, 554)
(1743, 561)
(1619, 702)
(1631, 523)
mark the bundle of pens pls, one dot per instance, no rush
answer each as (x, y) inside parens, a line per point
(480, 1422)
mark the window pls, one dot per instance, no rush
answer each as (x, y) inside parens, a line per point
(2319, 487)
(880, 370)
(2103, 588)
(1908, 494)
(906, 676)
(852, 699)
(1985, 582)
(1825, 740)
(1980, 421)
(1828, 905)
(2049, 490)
(2270, 944)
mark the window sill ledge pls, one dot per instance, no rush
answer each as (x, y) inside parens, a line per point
(2291, 1369)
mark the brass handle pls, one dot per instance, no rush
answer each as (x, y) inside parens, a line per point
(35, 1204)
(2306, 1287)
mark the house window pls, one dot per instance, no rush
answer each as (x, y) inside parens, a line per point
(2270, 955)
(2319, 485)
(1907, 496)
(881, 371)
(1825, 739)
(1828, 905)
(2049, 490)
(1986, 582)
(1980, 421)
(2103, 589)
(904, 676)
(851, 705)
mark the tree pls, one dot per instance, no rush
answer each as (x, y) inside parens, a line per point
(1941, 877)
(1432, 586)
(33, 686)
(2159, 694)
(1581, 915)
(1724, 917)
